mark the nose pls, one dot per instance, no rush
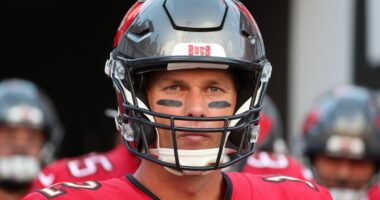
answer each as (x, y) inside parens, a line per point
(344, 170)
(22, 141)
(195, 105)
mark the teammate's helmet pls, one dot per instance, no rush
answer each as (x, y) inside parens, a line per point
(23, 104)
(181, 34)
(271, 136)
(344, 123)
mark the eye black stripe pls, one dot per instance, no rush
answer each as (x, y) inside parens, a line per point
(169, 102)
(219, 104)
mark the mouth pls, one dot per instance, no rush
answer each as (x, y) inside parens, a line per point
(193, 137)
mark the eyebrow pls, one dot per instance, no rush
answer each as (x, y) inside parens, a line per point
(181, 82)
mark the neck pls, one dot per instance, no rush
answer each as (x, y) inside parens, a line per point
(166, 185)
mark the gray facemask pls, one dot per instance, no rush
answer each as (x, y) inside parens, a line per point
(346, 194)
(19, 168)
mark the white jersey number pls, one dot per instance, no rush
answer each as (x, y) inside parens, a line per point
(88, 166)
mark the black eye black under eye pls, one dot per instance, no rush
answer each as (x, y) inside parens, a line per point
(169, 103)
(219, 104)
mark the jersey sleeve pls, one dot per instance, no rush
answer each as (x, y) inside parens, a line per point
(249, 186)
(296, 188)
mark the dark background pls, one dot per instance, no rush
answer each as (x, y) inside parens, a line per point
(63, 45)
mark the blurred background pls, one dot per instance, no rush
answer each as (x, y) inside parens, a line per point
(63, 45)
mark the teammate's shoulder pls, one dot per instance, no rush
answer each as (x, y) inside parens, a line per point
(57, 171)
(120, 151)
(277, 187)
(264, 162)
(60, 165)
(265, 159)
(374, 192)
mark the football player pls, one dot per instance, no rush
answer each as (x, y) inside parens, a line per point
(190, 76)
(29, 134)
(92, 166)
(341, 138)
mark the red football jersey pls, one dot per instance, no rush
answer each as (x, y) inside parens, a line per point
(93, 166)
(374, 192)
(240, 186)
(266, 163)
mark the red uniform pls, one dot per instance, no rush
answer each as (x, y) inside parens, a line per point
(374, 192)
(266, 163)
(240, 186)
(93, 166)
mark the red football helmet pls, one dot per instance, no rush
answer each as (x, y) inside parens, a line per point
(342, 134)
(181, 34)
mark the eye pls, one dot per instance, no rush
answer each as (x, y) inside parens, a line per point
(172, 88)
(214, 89)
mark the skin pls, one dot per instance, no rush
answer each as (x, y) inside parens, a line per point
(195, 88)
(11, 196)
(19, 140)
(354, 174)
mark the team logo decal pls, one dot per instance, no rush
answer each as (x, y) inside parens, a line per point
(199, 49)
(195, 50)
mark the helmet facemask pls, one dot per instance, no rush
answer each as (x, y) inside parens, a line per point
(138, 123)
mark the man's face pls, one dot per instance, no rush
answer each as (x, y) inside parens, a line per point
(194, 93)
(343, 172)
(20, 140)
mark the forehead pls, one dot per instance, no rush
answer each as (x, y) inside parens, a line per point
(20, 129)
(213, 75)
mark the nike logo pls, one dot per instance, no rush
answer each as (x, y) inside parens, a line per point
(46, 180)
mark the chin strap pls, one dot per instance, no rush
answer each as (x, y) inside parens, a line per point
(19, 168)
(196, 158)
